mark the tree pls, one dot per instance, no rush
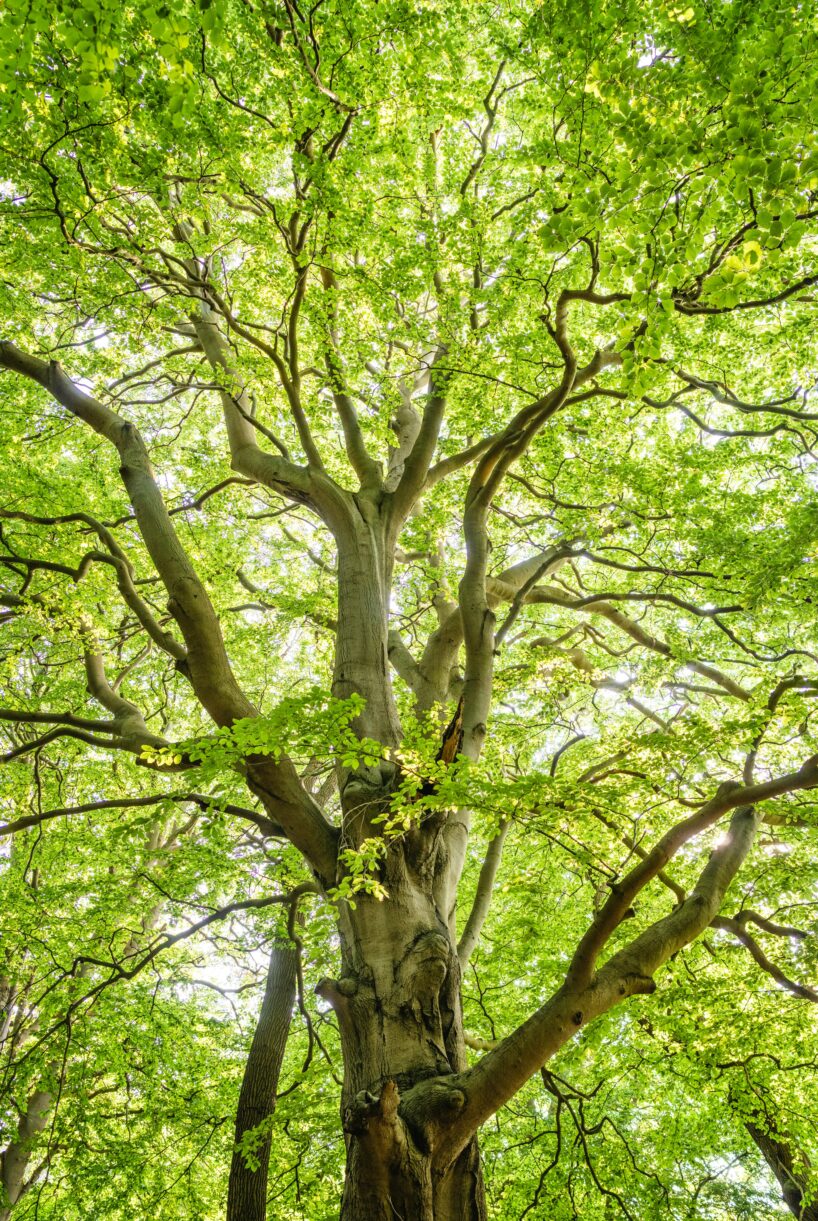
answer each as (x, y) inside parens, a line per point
(411, 455)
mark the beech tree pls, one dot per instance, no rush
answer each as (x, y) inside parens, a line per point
(408, 553)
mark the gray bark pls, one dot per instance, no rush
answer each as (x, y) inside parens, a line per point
(482, 899)
(792, 1177)
(247, 1189)
(16, 1157)
(398, 1008)
(361, 649)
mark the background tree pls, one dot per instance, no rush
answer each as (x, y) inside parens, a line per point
(410, 497)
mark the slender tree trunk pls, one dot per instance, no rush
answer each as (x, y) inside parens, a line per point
(247, 1190)
(781, 1158)
(15, 1159)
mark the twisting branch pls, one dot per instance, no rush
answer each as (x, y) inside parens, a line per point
(80, 735)
(265, 825)
(206, 664)
(737, 927)
(721, 393)
(418, 460)
(132, 965)
(312, 69)
(491, 469)
(807, 686)
(599, 606)
(124, 574)
(690, 305)
(278, 472)
(729, 796)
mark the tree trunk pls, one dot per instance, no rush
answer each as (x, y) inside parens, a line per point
(398, 997)
(398, 1006)
(15, 1159)
(403, 1184)
(247, 1190)
(779, 1156)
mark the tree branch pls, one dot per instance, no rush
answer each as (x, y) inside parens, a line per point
(736, 927)
(206, 664)
(363, 464)
(482, 899)
(202, 800)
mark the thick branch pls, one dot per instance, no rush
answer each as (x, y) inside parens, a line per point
(729, 796)
(419, 459)
(274, 471)
(505, 1069)
(207, 664)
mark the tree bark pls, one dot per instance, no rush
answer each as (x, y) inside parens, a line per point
(247, 1189)
(398, 1007)
(365, 564)
(398, 996)
(778, 1153)
(14, 1161)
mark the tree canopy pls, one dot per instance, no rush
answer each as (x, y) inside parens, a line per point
(408, 545)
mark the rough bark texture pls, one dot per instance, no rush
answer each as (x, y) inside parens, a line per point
(398, 1005)
(398, 997)
(247, 1191)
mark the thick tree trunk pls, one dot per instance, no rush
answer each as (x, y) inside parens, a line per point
(398, 1006)
(247, 1190)
(391, 1178)
(398, 997)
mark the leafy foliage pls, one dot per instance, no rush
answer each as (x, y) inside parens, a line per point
(251, 229)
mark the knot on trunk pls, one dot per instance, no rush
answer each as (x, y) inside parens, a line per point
(637, 985)
(367, 790)
(429, 1108)
(421, 973)
(374, 1114)
(336, 991)
(389, 1173)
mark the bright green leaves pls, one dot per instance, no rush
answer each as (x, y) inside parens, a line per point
(303, 727)
(666, 152)
(252, 1141)
(360, 867)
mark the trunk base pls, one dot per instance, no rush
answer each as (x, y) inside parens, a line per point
(390, 1176)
